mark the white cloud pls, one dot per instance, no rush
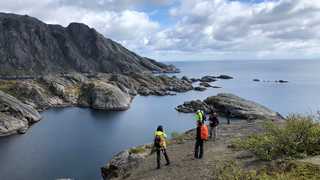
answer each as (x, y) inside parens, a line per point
(272, 28)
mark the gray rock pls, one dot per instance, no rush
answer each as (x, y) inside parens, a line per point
(208, 79)
(185, 78)
(30, 93)
(224, 77)
(193, 80)
(15, 116)
(205, 84)
(121, 164)
(193, 106)
(104, 96)
(241, 108)
(231, 105)
(200, 88)
(282, 81)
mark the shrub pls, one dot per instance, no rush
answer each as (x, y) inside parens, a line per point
(278, 170)
(297, 138)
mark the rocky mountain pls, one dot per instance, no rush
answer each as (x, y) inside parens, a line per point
(31, 47)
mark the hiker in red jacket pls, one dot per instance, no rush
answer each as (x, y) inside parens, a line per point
(201, 136)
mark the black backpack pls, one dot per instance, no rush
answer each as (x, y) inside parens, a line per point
(157, 141)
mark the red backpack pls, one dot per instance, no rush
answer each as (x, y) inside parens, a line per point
(204, 132)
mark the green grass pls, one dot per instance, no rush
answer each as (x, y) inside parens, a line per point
(137, 150)
(297, 138)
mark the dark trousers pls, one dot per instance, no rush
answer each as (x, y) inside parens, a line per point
(198, 150)
(164, 152)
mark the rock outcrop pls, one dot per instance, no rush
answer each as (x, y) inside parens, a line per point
(231, 105)
(109, 92)
(31, 47)
(15, 116)
(122, 163)
(104, 96)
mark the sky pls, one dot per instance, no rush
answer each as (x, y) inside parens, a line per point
(178, 30)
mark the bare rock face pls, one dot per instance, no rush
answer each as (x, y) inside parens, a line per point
(30, 93)
(241, 108)
(15, 116)
(104, 96)
(121, 164)
(231, 105)
(29, 47)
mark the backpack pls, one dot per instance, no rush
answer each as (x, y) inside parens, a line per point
(158, 141)
(204, 132)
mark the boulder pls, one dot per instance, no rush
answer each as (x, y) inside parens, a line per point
(121, 164)
(104, 96)
(230, 105)
(15, 116)
(238, 107)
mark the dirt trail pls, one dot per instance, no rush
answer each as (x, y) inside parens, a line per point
(184, 166)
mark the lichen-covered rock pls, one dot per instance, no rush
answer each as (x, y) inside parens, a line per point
(15, 116)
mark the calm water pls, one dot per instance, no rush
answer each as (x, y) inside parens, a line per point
(76, 142)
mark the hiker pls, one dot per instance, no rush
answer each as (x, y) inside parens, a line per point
(228, 116)
(160, 146)
(200, 116)
(201, 136)
(213, 125)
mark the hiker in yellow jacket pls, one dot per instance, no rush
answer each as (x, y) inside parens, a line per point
(160, 145)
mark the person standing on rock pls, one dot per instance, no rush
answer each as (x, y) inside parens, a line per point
(160, 146)
(213, 125)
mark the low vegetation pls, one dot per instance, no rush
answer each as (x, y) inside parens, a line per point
(277, 170)
(137, 150)
(298, 137)
(6, 85)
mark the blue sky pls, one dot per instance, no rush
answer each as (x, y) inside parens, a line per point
(192, 29)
